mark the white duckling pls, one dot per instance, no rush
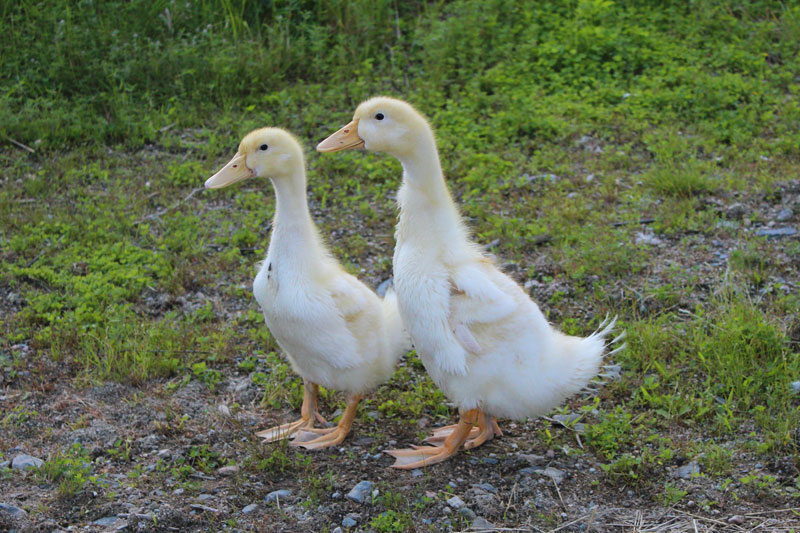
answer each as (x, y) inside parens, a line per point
(334, 331)
(483, 341)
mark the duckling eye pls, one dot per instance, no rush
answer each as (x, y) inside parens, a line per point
(379, 116)
(263, 147)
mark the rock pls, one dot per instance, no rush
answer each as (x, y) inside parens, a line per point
(205, 497)
(250, 508)
(687, 471)
(488, 487)
(455, 502)
(383, 287)
(795, 386)
(784, 215)
(228, 470)
(532, 458)
(736, 520)
(468, 514)
(736, 211)
(204, 508)
(553, 473)
(786, 231)
(337, 530)
(481, 524)
(362, 492)
(349, 521)
(14, 511)
(417, 472)
(24, 462)
(530, 470)
(277, 495)
(106, 521)
(646, 238)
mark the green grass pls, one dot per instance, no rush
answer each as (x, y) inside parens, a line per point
(565, 130)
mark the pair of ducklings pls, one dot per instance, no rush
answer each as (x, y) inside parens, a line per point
(482, 340)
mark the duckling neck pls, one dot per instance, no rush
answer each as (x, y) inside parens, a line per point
(291, 205)
(427, 210)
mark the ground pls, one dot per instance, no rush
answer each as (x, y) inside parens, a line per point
(619, 160)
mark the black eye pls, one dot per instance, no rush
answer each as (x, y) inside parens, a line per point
(379, 116)
(263, 147)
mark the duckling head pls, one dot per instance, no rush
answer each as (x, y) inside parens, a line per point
(381, 124)
(267, 153)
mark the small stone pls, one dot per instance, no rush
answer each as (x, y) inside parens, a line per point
(532, 459)
(349, 521)
(417, 472)
(336, 495)
(204, 508)
(361, 492)
(687, 471)
(795, 386)
(455, 502)
(784, 215)
(467, 513)
(481, 524)
(250, 508)
(786, 231)
(14, 511)
(736, 520)
(488, 487)
(530, 470)
(567, 420)
(205, 497)
(554, 474)
(228, 470)
(24, 462)
(106, 521)
(277, 495)
(337, 529)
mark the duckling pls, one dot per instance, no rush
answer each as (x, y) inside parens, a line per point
(334, 331)
(483, 341)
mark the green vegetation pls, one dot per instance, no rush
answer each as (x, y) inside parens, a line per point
(566, 130)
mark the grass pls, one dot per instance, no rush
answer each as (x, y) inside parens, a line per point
(570, 130)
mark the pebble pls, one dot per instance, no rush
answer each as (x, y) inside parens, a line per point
(277, 495)
(468, 514)
(795, 386)
(205, 497)
(204, 508)
(736, 519)
(106, 521)
(361, 492)
(349, 521)
(553, 473)
(481, 524)
(336, 495)
(23, 462)
(784, 215)
(250, 508)
(686, 471)
(488, 487)
(228, 470)
(337, 530)
(417, 472)
(13, 510)
(786, 231)
(455, 502)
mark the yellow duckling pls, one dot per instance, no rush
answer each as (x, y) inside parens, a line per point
(483, 341)
(334, 331)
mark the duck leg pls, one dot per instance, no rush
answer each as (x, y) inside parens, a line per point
(330, 436)
(308, 414)
(420, 456)
(487, 429)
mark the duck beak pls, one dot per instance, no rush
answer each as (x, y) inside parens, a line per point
(235, 170)
(343, 139)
